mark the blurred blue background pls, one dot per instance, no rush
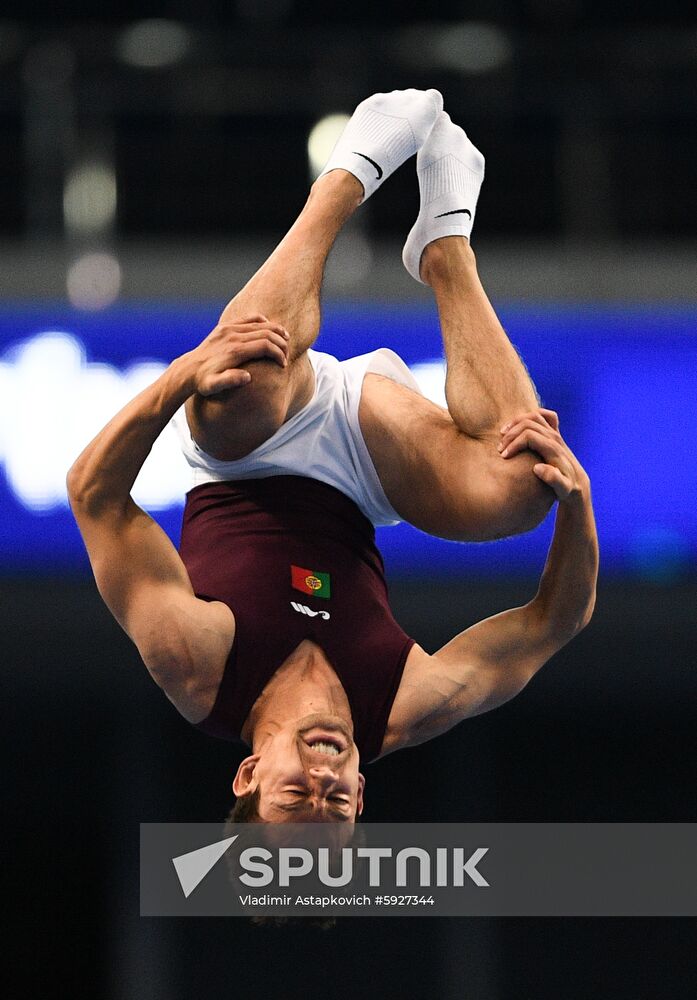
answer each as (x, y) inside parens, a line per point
(623, 379)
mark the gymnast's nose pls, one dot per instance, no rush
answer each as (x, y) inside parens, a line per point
(324, 776)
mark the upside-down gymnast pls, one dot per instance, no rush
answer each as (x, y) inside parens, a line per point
(272, 624)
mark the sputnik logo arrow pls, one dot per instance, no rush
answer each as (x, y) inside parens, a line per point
(193, 867)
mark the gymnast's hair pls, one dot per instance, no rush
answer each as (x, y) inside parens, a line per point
(246, 810)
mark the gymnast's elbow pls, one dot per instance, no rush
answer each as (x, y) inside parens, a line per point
(562, 619)
(82, 485)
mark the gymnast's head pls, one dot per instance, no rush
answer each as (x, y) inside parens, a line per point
(301, 771)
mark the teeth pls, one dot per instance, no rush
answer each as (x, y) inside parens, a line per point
(325, 748)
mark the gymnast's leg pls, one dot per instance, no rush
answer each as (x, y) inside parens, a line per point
(384, 131)
(442, 471)
(486, 385)
(286, 290)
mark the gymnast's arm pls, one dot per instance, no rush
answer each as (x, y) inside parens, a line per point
(138, 571)
(492, 661)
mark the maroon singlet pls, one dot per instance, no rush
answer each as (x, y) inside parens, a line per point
(269, 548)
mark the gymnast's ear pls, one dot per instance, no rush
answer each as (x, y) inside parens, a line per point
(245, 780)
(359, 802)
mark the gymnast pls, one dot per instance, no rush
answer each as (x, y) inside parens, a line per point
(271, 624)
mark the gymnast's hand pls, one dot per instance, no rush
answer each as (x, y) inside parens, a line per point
(217, 359)
(538, 431)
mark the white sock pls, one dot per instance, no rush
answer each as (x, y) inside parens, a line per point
(451, 171)
(383, 132)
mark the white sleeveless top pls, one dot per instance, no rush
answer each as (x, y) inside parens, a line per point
(322, 441)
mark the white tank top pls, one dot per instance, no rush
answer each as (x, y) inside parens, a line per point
(322, 441)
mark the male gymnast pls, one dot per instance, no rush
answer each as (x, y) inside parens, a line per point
(272, 625)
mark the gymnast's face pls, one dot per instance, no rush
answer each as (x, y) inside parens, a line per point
(307, 772)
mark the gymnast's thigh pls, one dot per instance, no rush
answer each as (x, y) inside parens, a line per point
(436, 478)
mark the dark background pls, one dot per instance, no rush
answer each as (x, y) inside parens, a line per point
(588, 124)
(585, 109)
(607, 732)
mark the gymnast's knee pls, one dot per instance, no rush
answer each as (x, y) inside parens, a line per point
(231, 424)
(523, 500)
(508, 499)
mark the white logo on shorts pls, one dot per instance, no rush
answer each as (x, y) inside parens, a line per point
(304, 610)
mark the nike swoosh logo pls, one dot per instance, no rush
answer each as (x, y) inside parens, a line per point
(376, 165)
(456, 211)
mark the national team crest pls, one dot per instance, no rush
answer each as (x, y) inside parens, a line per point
(310, 582)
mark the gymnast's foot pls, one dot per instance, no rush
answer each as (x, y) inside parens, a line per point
(384, 131)
(450, 171)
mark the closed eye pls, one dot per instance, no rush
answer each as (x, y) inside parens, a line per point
(298, 792)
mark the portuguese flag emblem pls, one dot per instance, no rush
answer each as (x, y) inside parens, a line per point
(310, 581)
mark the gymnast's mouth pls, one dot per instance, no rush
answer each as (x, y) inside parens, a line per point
(321, 746)
(325, 742)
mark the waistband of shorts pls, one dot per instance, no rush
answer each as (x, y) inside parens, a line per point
(297, 501)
